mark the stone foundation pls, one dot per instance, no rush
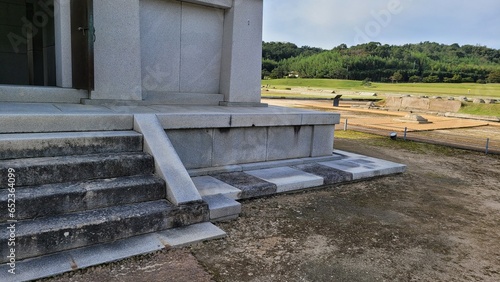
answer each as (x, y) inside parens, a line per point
(213, 147)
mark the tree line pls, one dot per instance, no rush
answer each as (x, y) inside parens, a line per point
(424, 62)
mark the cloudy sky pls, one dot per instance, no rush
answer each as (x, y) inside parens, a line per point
(328, 23)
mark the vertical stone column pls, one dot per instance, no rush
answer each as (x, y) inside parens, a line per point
(62, 25)
(117, 50)
(242, 54)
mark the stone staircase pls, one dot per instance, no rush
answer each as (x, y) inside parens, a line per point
(79, 189)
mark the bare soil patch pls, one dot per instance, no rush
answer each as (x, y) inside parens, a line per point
(440, 221)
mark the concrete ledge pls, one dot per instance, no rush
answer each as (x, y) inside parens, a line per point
(183, 117)
(168, 165)
(242, 104)
(34, 94)
(114, 113)
(225, 4)
(214, 170)
(47, 266)
(60, 122)
(155, 98)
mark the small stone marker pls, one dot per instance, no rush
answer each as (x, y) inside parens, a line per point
(414, 118)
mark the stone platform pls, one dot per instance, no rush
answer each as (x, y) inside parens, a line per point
(212, 155)
(221, 187)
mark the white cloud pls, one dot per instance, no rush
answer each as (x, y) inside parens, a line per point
(328, 23)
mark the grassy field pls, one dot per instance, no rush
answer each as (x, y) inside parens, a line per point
(385, 141)
(429, 89)
(481, 109)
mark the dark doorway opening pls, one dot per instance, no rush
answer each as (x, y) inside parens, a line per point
(27, 43)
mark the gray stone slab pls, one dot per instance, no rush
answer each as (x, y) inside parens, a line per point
(38, 171)
(249, 120)
(239, 145)
(21, 108)
(192, 120)
(346, 154)
(332, 157)
(160, 24)
(318, 118)
(208, 186)
(64, 232)
(63, 198)
(33, 94)
(132, 109)
(78, 108)
(50, 265)
(201, 48)
(32, 123)
(322, 140)
(365, 167)
(289, 142)
(249, 185)
(287, 178)
(214, 170)
(180, 187)
(68, 143)
(270, 164)
(213, 3)
(105, 253)
(37, 268)
(183, 116)
(194, 146)
(177, 98)
(242, 49)
(222, 207)
(184, 236)
(329, 174)
(117, 50)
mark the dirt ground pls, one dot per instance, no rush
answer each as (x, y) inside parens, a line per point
(439, 221)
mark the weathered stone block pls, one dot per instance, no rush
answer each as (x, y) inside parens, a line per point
(322, 140)
(194, 146)
(289, 142)
(239, 145)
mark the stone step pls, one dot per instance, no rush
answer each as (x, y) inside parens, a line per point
(222, 208)
(36, 145)
(54, 199)
(58, 233)
(39, 171)
(71, 260)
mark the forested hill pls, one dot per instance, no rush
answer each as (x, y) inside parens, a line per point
(426, 62)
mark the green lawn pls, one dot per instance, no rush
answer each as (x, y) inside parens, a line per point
(385, 141)
(429, 89)
(481, 109)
